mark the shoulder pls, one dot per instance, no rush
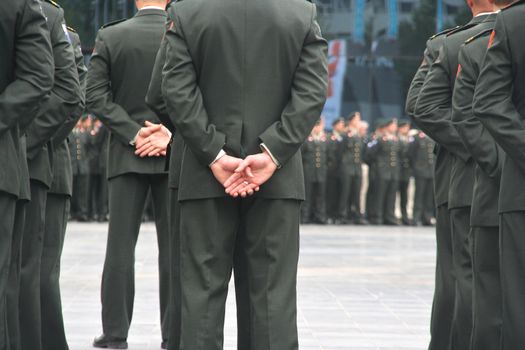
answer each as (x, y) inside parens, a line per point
(472, 39)
(513, 5)
(113, 23)
(52, 3)
(444, 33)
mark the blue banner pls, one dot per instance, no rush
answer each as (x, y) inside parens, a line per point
(439, 16)
(392, 15)
(359, 21)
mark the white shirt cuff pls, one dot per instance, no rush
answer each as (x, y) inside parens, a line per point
(221, 154)
(263, 146)
(134, 141)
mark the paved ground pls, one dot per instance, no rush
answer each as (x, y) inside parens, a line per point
(360, 288)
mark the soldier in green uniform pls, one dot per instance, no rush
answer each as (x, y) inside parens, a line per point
(351, 172)
(118, 79)
(405, 172)
(384, 151)
(314, 152)
(213, 98)
(445, 288)
(421, 154)
(78, 148)
(498, 104)
(26, 50)
(333, 158)
(484, 220)
(64, 99)
(433, 115)
(57, 212)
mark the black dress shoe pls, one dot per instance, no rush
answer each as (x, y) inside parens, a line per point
(164, 344)
(107, 342)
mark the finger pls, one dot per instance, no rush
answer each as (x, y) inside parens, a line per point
(148, 123)
(142, 148)
(249, 172)
(155, 152)
(241, 187)
(147, 151)
(240, 183)
(232, 179)
(163, 153)
(244, 164)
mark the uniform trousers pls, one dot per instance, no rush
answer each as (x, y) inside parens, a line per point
(445, 288)
(423, 200)
(53, 333)
(174, 269)
(13, 289)
(403, 199)
(32, 246)
(354, 200)
(127, 199)
(348, 183)
(266, 232)
(7, 224)
(315, 204)
(512, 250)
(487, 318)
(461, 249)
(386, 200)
(332, 194)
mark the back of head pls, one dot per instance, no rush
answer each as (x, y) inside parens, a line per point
(480, 6)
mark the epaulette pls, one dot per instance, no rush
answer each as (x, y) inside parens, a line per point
(446, 31)
(519, 2)
(53, 3)
(479, 35)
(462, 28)
(113, 23)
(71, 29)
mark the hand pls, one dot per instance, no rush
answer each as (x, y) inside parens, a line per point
(153, 140)
(224, 168)
(254, 170)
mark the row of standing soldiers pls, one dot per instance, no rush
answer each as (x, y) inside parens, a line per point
(334, 166)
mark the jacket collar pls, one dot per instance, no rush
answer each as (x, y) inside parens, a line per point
(150, 12)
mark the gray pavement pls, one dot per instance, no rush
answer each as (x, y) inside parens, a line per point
(359, 288)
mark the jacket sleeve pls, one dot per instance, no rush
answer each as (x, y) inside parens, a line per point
(476, 138)
(433, 109)
(34, 68)
(65, 94)
(417, 83)
(493, 103)
(184, 99)
(99, 97)
(307, 99)
(154, 97)
(66, 128)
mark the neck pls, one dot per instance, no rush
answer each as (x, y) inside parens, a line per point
(478, 11)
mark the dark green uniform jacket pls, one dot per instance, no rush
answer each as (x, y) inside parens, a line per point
(244, 102)
(499, 102)
(351, 151)
(421, 154)
(314, 153)
(62, 168)
(481, 145)
(117, 98)
(443, 157)
(64, 99)
(155, 101)
(26, 77)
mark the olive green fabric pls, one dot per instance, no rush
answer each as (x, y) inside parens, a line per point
(276, 87)
(116, 91)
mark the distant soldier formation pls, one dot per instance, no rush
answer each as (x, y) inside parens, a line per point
(389, 157)
(178, 120)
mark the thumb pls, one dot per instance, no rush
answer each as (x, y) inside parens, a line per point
(148, 123)
(244, 164)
